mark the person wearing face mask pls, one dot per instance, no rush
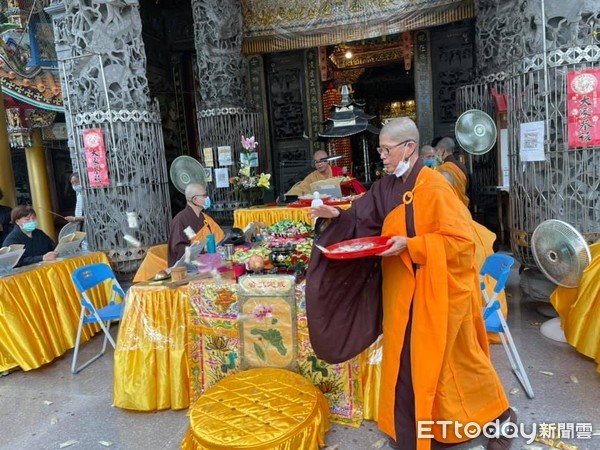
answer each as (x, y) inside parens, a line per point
(78, 215)
(452, 169)
(193, 216)
(427, 154)
(38, 246)
(422, 293)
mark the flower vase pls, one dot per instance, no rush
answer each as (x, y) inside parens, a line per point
(254, 195)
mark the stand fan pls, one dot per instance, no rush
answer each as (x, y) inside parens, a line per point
(186, 170)
(562, 255)
(476, 132)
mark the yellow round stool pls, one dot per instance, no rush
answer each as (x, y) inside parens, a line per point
(257, 410)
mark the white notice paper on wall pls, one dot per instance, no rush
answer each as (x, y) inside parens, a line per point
(222, 178)
(224, 152)
(208, 157)
(531, 144)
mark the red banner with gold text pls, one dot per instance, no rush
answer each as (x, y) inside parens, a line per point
(583, 106)
(95, 157)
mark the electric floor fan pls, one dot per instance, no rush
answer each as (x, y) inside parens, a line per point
(186, 170)
(562, 254)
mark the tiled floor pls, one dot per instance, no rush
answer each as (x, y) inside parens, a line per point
(45, 408)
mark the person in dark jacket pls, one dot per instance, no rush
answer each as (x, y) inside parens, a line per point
(5, 225)
(38, 245)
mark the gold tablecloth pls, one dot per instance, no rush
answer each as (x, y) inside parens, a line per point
(579, 309)
(242, 217)
(39, 312)
(151, 362)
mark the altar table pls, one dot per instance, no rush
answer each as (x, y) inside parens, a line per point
(273, 214)
(151, 358)
(269, 215)
(39, 312)
(169, 351)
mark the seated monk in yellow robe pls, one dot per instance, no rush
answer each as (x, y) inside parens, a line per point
(322, 172)
(452, 169)
(423, 294)
(579, 311)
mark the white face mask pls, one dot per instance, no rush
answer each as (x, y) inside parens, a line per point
(402, 166)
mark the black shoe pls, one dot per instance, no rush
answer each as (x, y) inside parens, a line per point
(503, 442)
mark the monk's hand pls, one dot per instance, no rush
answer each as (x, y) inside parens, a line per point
(50, 256)
(398, 246)
(324, 211)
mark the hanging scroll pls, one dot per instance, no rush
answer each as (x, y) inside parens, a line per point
(583, 106)
(95, 157)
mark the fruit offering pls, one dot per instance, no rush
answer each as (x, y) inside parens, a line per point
(289, 228)
(242, 254)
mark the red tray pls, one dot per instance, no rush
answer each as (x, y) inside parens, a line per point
(298, 205)
(337, 202)
(379, 244)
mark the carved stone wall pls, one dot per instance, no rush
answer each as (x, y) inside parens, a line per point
(513, 55)
(452, 51)
(103, 73)
(221, 64)
(508, 30)
(223, 115)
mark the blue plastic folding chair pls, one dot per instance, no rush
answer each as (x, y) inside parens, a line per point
(497, 266)
(86, 278)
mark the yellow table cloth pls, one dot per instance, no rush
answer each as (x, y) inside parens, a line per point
(259, 409)
(151, 362)
(39, 312)
(579, 309)
(242, 217)
(270, 215)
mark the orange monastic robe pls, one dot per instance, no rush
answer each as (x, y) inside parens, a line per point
(452, 373)
(457, 178)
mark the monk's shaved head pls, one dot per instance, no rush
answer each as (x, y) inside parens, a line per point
(401, 129)
(193, 189)
(320, 154)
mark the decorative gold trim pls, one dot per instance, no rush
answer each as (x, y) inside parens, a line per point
(330, 36)
(367, 55)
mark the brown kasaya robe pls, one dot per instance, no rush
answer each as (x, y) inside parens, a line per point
(343, 297)
(200, 224)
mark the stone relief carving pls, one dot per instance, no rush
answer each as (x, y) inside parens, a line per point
(566, 185)
(113, 30)
(508, 30)
(221, 64)
(102, 66)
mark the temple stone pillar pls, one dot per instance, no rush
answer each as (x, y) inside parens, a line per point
(7, 179)
(223, 115)
(102, 66)
(525, 50)
(37, 169)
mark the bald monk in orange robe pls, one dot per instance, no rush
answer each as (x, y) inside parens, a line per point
(452, 169)
(436, 364)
